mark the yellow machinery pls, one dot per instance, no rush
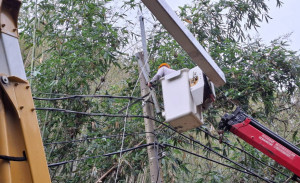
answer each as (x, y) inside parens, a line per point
(22, 156)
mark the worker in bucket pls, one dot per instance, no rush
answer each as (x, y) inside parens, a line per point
(163, 70)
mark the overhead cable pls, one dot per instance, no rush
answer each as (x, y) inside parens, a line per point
(242, 150)
(70, 161)
(130, 149)
(89, 96)
(132, 103)
(94, 157)
(194, 145)
(210, 149)
(203, 157)
(92, 138)
(138, 116)
(143, 146)
(90, 114)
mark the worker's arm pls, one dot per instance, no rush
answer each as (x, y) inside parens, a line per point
(160, 73)
(163, 71)
(157, 76)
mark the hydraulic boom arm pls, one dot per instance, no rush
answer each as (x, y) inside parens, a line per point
(263, 139)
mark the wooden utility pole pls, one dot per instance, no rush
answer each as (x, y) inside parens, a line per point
(155, 170)
(144, 60)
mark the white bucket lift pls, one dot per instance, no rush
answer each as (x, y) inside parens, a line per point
(183, 93)
(196, 85)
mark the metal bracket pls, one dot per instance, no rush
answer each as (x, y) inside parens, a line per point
(228, 120)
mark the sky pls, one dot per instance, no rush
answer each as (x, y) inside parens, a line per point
(285, 20)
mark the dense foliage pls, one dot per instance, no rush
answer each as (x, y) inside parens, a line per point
(75, 47)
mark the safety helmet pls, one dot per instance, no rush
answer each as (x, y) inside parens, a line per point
(164, 64)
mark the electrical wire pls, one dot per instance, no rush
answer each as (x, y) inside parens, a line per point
(191, 143)
(210, 149)
(91, 114)
(89, 96)
(143, 146)
(94, 157)
(92, 138)
(154, 24)
(245, 169)
(137, 99)
(203, 157)
(197, 142)
(242, 150)
(202, 148)
(132, 103)
(70, 161)
(130, 149)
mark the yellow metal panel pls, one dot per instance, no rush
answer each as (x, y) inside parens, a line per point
(22, 134)
(5, 175)
(9, 12)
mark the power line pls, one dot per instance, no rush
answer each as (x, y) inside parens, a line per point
(178, 148)
(90, 114)
(114, 115)
(89, 96)
(199, 146)
(130, 149)
(143, 146)
(132, 103)
(233, 147)
(210, 149)
(126, 116)
(242, 150)
(146, 145)
(94, 157)
(70, 161)
(92, 138)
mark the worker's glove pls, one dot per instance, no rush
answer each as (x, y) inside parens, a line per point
(149, 84)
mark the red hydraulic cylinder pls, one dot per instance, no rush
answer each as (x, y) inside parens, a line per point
(267, 145)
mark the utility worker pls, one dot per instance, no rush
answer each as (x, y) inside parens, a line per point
(163, 70)
(208, 96)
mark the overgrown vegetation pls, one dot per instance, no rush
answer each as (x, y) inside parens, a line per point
(75, 47)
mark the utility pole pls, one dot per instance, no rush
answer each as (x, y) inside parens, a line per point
(144, 43)
(146, 69)
(155, 170)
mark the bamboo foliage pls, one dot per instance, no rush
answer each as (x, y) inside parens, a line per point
(76, 48)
